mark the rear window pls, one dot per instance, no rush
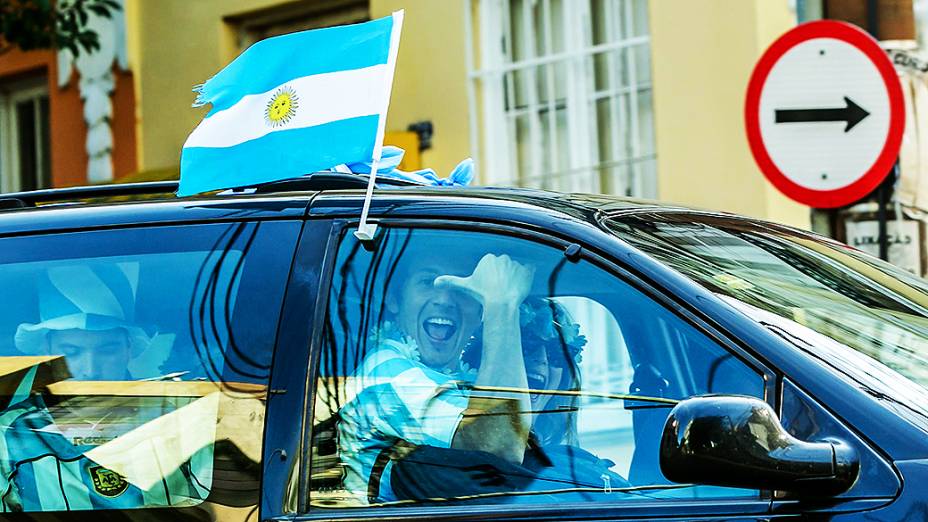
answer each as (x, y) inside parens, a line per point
(134, 366)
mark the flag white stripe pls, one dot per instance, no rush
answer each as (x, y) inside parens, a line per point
(388, 79)
(321, 98)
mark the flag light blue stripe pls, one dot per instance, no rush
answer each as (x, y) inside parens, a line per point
(275, 61)
(289, 152)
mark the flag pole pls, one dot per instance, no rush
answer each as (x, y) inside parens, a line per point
(366, 231)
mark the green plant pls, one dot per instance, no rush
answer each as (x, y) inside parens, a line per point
(43, 24)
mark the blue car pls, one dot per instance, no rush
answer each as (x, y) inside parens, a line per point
(491, 354)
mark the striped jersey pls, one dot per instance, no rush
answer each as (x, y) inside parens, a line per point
(396, 398)
(42, 470)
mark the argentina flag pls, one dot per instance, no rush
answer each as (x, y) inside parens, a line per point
(293, 105)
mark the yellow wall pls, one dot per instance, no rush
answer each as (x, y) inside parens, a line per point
(431, 77)
(703, 54)
(174, 45)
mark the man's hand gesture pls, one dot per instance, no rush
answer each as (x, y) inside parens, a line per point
(496, 280)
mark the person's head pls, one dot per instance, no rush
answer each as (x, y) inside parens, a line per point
(551, 347)
(551, 351)
(440, 320)
(86, 314)
(92, 355)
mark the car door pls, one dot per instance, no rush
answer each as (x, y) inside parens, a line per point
(380, 438)
(756, 281)
(135, 368)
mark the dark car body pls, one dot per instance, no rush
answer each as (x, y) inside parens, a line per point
(891, 439)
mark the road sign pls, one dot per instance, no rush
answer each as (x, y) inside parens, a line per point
(825, 114)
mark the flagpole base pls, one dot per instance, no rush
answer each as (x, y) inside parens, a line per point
(366, 231)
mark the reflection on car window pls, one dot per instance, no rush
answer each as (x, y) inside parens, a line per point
(466, 367)
(134, 367)
(835, 292)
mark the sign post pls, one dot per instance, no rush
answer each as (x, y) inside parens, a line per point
(825, 114)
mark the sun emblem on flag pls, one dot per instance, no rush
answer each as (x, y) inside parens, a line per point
(282, 107)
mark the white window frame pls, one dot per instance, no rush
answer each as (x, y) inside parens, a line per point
(10, 173)
(290, 17)
(492, 127)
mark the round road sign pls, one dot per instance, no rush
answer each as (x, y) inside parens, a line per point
(824, 114)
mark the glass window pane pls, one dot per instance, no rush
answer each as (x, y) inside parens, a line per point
(819, 293)
(586, 54)
(44, 149)
(135, 365)
(462, 366)
(26, 145)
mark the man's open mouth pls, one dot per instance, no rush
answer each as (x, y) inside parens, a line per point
(536, 381)
(439, 328)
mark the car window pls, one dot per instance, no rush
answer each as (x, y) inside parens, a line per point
(808, 285)
(134, 365)
(806, 419)
(431, 388)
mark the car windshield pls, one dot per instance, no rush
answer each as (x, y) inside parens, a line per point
(827, 298)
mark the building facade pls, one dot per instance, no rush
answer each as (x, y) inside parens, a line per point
(633, 97)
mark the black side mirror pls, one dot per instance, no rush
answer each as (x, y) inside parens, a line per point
(739, 442)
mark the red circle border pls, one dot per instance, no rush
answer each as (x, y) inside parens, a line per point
(885, 160)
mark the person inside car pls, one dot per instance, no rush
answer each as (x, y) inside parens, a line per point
(412, 390)
(86, 315)
(553, 460)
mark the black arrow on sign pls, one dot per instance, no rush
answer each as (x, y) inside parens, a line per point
(852, 114)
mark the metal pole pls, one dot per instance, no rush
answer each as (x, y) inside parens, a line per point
(873, 18)
(882, 198)
(884, 193)
(886, 185)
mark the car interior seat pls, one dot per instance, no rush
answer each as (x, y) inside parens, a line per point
(647, 425)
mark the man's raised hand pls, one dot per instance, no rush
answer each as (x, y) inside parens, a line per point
(496, 280)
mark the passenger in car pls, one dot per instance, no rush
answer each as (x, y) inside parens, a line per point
(411, 389)
(551, 347)
(553, 460)
(87, 315)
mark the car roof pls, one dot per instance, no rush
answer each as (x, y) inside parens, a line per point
(86, 208)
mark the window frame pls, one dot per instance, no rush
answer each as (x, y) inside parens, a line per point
(10, 167)
(252, 26)
(625, 168)
(289, 249)
(588, 252)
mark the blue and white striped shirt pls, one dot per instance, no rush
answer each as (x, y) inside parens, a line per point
(396, 398)
(41, 470)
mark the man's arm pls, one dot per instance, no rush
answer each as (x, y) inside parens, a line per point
(497, 423)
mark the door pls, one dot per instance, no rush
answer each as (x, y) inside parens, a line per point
(135, 368)
(459, 369)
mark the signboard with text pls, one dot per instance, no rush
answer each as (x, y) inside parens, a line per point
(903, 237)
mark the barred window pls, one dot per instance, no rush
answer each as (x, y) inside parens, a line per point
(561, 96)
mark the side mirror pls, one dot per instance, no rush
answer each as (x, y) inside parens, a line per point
(738, 442)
